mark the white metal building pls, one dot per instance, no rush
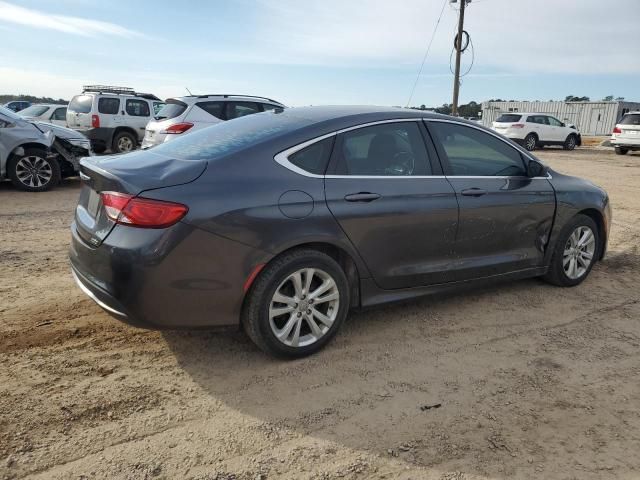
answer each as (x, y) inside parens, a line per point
(591, 118)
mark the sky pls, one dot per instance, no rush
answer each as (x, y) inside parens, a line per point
(313, 52)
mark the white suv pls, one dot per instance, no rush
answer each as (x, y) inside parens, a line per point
(184, 115)
(626, 134)
(112, 117)
(533, 130)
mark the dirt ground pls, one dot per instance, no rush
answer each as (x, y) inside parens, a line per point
(523, 380)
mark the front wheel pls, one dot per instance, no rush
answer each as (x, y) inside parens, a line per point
(297, 304)
(34, 171)
(621, 151)
(530, 142)
(576, 251)
(570, 142)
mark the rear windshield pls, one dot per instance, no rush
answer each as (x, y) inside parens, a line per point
(508, 118)
(225, 138)
(33, 111)
(171, 109)
(633, 119)
(80, 104)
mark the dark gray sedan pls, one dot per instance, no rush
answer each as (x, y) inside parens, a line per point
(283, 221)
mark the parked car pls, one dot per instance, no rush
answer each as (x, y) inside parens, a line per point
(626, 134)
(36, 155)
(533, 130)
(17, 105)
(284, 221)
(46, 112)
(189, 114)
(112, 117)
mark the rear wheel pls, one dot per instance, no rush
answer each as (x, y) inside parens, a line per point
(297, 304)
(34, 171)
(570, 143)
(530, 142)
(621, 151)
(575, 252)
(123, 142)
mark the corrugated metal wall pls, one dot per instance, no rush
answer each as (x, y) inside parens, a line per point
(591, 118)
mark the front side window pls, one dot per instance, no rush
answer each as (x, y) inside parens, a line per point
(388, 149)
(212, 108)
(59, 114)
(137, 108)
(554, 122)
(314, 158)
(109, 106)
(472, 152)
(241, 109)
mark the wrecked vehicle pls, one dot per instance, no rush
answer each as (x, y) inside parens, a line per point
(36, 155)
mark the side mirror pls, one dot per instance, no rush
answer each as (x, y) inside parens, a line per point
(536, 169)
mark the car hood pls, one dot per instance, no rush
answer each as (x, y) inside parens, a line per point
(58, 131)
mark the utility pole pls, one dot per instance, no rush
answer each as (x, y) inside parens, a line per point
(456, 79)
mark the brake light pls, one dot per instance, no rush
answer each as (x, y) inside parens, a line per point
(141, 212)
(95, 121)
(517, 125)
(616, 129)
(178, 128)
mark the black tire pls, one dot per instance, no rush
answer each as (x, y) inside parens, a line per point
(530, 142)
(99, 148)
(556, 273)
(33, 171)
(621, 150)
(255, 314)
(570, 143)
(124, 142)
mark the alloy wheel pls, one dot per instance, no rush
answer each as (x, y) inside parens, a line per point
(531, 143)
(33, 171)
(125, 144)
(304, 307)
(579, 252)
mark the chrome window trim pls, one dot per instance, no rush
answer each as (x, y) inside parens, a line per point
(282, 158)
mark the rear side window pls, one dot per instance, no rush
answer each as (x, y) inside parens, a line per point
(109, 106)
(539, 119)
(81, 104)
(508, 118)
(633, 119)
(268, 107)
(314, 158)
(212, 108)
(472, 152)
(171, 109)
(389, 149)
(137, 108)
(241, 109)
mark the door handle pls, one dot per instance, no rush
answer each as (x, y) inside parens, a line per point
(362, 197)
(473, 192)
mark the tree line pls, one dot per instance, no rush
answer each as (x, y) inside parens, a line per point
(31, 98)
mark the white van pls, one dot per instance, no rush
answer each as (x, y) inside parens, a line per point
(112, 117)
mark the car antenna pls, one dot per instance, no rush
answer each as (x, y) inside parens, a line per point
(187, 89)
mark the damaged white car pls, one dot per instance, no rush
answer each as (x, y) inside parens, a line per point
(36, 155)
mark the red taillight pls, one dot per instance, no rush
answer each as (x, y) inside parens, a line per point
(517, 125)
(616, 129)
(141, 212)
(95, 121)
(178, 128)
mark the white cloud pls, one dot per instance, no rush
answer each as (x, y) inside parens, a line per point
(62, 23)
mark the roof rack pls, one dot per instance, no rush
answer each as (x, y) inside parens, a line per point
(227, 95)
(108, 89)
(148, 96)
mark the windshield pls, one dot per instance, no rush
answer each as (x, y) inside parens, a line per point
(508, 118)
(33, 111)
(10, 114)
(171, 109)
(226, 138)
(631, 119)
(80, 104)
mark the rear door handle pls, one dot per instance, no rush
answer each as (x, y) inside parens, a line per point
(473, 192)
(362, 197)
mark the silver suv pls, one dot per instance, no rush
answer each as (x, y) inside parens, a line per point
(183, 115)
(112, 117)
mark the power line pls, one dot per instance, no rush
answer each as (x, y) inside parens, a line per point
(424, 59)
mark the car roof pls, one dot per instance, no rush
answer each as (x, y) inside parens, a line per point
(48, 105)
(224, 96)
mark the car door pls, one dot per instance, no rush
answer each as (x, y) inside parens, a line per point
(556, 129)
(386, 190)
(505, 216)
(138, 114)
(59, 116)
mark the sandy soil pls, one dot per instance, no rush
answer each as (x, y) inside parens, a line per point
(533, 381)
